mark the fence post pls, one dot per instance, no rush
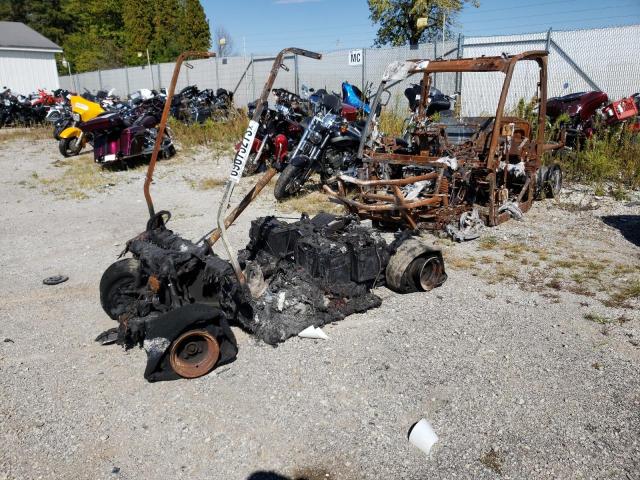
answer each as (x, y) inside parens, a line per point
(548, 42)
(296, 79)
(187, 74)
(253, 78)
(435, 57)
(364, 74)
(100, 80)
(217, 74)
(126, 76)
(459, 54)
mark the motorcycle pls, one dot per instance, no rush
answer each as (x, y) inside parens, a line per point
(582, 109)
(279, 131)
(328, 146)
(352, 95)
(74, 137)
(191, 105)
(123, 135)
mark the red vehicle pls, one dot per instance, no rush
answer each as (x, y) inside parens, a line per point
(624, 110)
(581, 108)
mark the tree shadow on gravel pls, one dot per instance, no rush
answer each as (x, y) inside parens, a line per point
(628, 225)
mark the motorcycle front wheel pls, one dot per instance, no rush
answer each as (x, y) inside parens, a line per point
(289, 182)
(69, 147)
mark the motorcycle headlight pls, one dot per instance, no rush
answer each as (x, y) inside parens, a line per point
(315, 137)
(76, 117)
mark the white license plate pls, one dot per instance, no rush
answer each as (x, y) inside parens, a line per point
(109, 158)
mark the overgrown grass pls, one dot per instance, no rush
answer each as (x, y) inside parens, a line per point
(210, 134)
(612, 155)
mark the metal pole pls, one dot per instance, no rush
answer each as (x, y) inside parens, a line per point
(126, 76)
(296, 79)
(217, 75)
(150, 71)
(458, 106)
(73, 79)
(253, 78)
(435, 57)
(444, 23)
(100, 80)
(364, 61)
(548, 42)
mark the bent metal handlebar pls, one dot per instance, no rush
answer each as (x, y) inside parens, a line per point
(163, 122)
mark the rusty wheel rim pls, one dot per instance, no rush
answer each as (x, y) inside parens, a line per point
(430, 273)
(194, 353)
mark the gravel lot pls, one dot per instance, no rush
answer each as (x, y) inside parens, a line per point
(525, 368)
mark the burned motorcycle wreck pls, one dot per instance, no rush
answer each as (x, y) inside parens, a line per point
(178, 299)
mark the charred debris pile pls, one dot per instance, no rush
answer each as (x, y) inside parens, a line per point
(177, 299)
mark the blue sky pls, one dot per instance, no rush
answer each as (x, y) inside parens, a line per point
(266, 26)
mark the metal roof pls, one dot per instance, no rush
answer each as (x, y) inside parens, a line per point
(18, 36)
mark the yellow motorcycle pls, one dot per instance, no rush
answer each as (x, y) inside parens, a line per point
(73, 138)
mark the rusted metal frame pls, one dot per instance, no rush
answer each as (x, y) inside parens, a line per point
(434, 200)
(221, 231)
(399, 181)
(163, 122)
(400, 201)
(424, 94)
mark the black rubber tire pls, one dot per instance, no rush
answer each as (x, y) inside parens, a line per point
(286, 184)
(68, 147)
(553, 183)
(121, 275)
(251, 167)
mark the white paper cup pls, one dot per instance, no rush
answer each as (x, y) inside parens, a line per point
(422, 436)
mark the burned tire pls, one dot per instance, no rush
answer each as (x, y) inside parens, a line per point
(289, 182)
(194, 353)
(553, 183)
(548, 182)
(415, 267)
(69, 147)
(118, 287)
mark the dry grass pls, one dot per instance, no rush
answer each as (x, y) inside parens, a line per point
(311, 204)
(80, 177)
(216, 135)
(207, 183)
(622, 295)
(40, 132)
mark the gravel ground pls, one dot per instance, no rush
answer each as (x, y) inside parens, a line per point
(520, 365)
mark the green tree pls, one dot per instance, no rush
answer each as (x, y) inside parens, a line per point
(97, 40)
(194, 27)
(13, 10)
(138, 29)
(165, 42)
(397, 19)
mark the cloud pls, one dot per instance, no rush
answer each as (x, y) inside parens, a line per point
(290, 2)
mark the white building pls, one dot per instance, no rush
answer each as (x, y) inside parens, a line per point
(27, 59)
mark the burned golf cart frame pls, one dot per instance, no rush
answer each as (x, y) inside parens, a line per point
(177, 298)
(381, 199)
(240, 159)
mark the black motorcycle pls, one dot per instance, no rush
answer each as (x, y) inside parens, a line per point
(328, 146)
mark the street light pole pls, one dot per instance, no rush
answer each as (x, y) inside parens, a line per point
(67, 63)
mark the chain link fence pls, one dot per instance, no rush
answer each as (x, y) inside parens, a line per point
(579, 60)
